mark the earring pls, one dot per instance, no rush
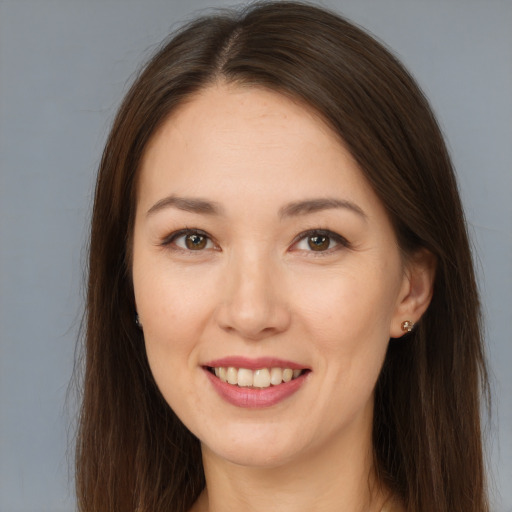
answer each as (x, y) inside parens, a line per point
(407, 325)
(137, 321)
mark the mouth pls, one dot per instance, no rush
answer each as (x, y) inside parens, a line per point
(255, 382)
(261, 378)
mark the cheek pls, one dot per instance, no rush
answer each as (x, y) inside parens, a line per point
(352, 334)
(348, 305)
(171, 324)
(173, 307)
(169, 299)
(348, 315)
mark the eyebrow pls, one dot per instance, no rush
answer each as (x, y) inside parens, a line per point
(189, 204)
(296, 208)
(316, 205)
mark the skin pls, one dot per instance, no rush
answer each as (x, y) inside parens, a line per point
(256, 288)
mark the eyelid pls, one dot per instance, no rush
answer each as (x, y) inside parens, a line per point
(336, 237)
(168, 240)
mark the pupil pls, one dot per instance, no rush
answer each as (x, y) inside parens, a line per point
(318, 242)
(195, 242)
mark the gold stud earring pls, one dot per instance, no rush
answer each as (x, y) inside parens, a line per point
(407, 325)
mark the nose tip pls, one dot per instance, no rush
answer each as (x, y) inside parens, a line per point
(253, 305)
(252, 321)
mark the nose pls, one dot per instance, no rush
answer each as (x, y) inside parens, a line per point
(254, 304)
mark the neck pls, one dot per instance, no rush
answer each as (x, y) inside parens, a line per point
(336, 477)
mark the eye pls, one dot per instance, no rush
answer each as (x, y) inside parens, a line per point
(189, 240)
(319, 240)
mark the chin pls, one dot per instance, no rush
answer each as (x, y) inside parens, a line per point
(255, 456)
(254, 446)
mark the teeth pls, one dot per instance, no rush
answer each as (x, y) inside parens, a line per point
(276, 376)
(245, 378)
(262, 378)
(232, 375)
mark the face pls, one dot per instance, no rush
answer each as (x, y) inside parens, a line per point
(260, 255)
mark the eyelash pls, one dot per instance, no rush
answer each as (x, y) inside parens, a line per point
(340, 241)
(170, 241)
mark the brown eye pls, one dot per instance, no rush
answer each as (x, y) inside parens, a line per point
(319, 242)
(189, 240)
(195, 242)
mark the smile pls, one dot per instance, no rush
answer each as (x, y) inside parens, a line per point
(256, 379)
(255, 383)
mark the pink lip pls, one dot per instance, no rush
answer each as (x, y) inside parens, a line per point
(253, 364)
(252, 397)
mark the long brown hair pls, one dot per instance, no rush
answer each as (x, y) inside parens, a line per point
(133, 453)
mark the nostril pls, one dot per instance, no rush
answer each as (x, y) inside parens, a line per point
(252, 310)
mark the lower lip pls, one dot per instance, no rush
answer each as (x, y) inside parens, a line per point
(254, 397)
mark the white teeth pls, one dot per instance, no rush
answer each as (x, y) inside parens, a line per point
(232, 375)
(276, 376)
(262, 378)
(287, 375)
(245, 377)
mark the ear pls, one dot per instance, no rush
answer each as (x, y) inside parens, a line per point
(416, 290)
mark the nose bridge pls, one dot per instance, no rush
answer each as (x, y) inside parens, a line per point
(253, 304)
(252, 283)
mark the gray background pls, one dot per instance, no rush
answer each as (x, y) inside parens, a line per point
(63, 68)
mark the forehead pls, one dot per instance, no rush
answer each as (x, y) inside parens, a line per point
(237, 113)
(229, 139)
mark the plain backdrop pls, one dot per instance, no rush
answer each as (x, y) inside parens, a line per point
(64, 65)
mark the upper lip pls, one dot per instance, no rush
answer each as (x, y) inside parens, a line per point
(253, 363)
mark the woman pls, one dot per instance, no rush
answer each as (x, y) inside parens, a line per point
(282, 310)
